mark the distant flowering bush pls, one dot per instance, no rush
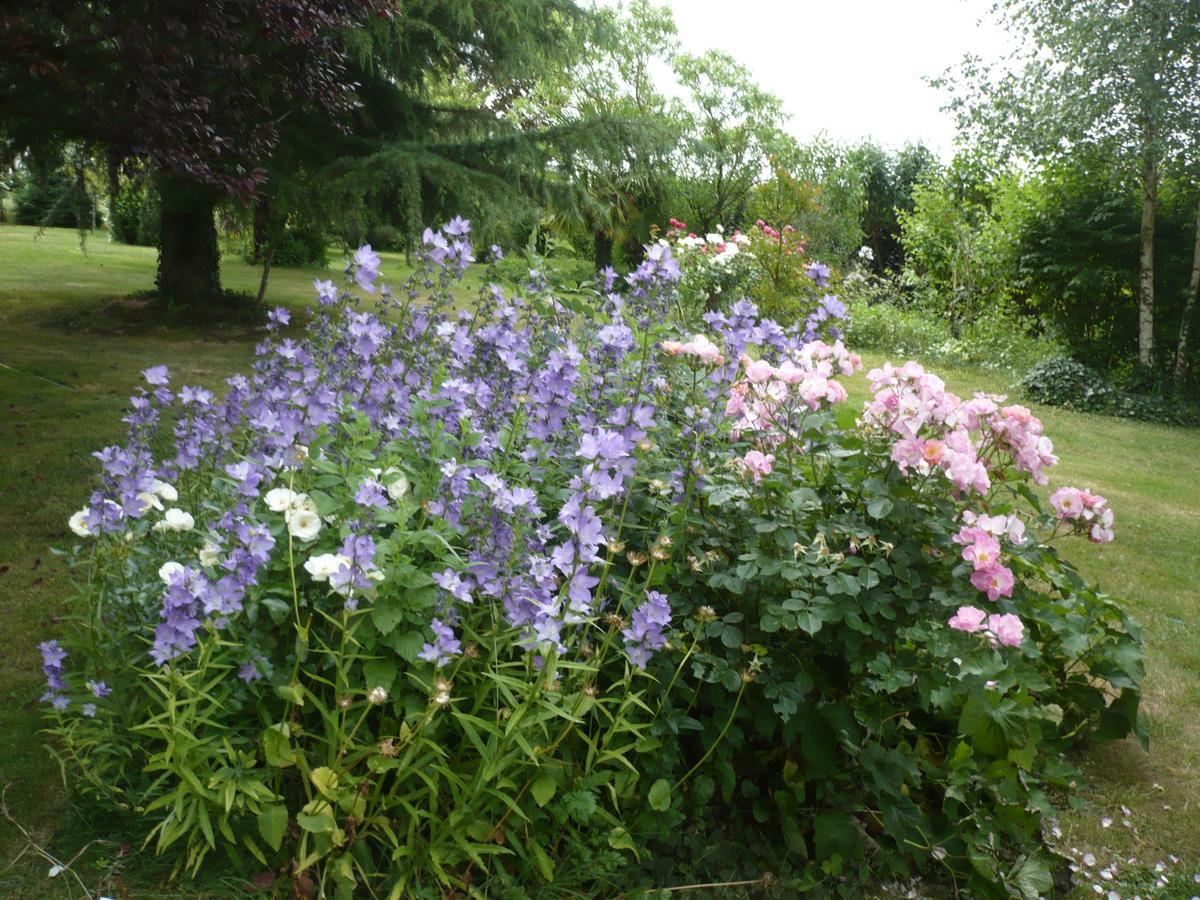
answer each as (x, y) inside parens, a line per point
(450, 594)
(765, 264)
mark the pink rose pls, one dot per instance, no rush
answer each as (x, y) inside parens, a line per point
(984, 553)
(757, 464)
(968, 618)
(1007, 629)
(996, 581)
(759, 371)
(1067, 502)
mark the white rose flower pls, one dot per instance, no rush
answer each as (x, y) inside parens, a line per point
(78, 523)
(175, 519)
(398, 486)
(151, 500)
(167, 569)
(210, 554)
(281, 499)
(164, 490)
(323, 565)
(304, 524)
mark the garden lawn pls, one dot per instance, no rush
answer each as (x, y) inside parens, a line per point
(71, 349)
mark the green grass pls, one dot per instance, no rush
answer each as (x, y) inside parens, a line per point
(70, 351)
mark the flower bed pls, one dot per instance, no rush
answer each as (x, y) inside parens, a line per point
(437, 598)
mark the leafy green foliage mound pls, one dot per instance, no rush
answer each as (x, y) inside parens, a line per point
(525, 598)
(1070, 384)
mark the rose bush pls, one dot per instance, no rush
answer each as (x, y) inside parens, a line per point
(479, 598)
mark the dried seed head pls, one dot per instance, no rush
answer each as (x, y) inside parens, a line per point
(706, 614)
(589, 690)
(441, 685)
(636, 558)
(615, 547)
(471, 651)
(615, 620)
(345, 702)
(377, 695)
(387, 748)
(660, 553)
(645, 445)
(441, 698)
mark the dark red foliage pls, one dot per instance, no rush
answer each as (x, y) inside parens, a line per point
(200, 87)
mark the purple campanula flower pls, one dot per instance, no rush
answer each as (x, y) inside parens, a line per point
(156, 375)
(445, 645)
(366, 268)
(371, 493)
(644, 635)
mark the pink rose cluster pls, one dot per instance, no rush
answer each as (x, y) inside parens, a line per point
(1004, 629)
(980, 539)
(698, 346)
(764, 398)
(1085, 511)
(966, 441)
(755, 464)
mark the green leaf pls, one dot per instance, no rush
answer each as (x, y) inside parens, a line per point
(620, 839)
(544, 863)
(387, 613)
(272, 824)
(835, 834)
(407, 644)
(317, 818)
(291, 694)
(543, 788)
(379, 673)
(277, 746)
(879, 507)
(1033, 879)
(660, 795)
(326, 781)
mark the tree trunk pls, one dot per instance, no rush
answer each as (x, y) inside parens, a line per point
(1146, 266)
(268, 258)
(602, 249)
(1189, 307)
(262, 229)
(189, 263)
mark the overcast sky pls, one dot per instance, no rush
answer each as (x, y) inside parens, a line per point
(850, 68)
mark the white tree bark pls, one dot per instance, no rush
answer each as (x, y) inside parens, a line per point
(1146, 288)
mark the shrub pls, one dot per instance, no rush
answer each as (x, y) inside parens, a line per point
(1064, 382)
(52, 199)
(766, 264)
(516, 595)
(884, 316)
(302, 247)
(135, 215)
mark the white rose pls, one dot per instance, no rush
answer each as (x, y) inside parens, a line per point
(320, 567)
(164, 490)
(78, 523)
(167, 569)
(151, 500)
(175, 519)
(210, 554)
(280, 499)
(398, 486)
(304, 524)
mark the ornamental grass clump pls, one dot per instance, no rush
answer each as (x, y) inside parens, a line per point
(480, 598)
